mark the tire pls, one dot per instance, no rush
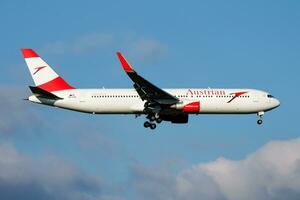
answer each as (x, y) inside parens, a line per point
(147, 124)
(153, 126)
(152, 118)
(158, 120)
(259, 122)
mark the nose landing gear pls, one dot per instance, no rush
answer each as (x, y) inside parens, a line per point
(260, 115)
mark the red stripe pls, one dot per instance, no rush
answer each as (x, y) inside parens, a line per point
(124, 63)
(29, 53)
(56, 85)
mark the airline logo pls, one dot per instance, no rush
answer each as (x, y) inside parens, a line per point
(206, 92)
(236, 94)
(38, 69)
(214, 92)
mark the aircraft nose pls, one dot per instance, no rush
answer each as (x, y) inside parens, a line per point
(276, 103)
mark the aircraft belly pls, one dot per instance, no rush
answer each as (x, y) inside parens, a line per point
(108, 106)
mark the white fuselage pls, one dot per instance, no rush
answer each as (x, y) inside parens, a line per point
(127, 101)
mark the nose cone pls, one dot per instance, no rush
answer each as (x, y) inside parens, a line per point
(276, 103)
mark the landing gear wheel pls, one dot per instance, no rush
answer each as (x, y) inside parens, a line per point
(146, 104)
(153, 126)
(147, 124)
(152, 118)
(259, 122)
(260, 115)
(158, 120)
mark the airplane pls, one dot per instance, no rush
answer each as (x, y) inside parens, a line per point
(145, 98)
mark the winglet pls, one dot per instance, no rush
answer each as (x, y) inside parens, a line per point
(29, 53)
(125, 64)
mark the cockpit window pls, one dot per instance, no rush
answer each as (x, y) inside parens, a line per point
(270, 96)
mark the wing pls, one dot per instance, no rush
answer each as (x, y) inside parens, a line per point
(145, 89)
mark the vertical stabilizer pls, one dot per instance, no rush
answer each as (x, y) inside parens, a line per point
(42, 74)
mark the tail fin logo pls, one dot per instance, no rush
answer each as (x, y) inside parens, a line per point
(38, 69)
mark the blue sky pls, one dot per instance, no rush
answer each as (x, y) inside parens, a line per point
(232, 44)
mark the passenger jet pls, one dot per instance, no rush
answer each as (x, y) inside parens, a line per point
(173, 105)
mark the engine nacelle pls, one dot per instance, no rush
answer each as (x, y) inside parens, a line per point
(176, 119)
(188, 107)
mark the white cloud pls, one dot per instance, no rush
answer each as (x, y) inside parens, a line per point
(267, 174)
(83, 44)
(46, 178)
(141, 48)
(152, 183)
(272, 172)
(14, 114)
(147, 50)
(49, 177)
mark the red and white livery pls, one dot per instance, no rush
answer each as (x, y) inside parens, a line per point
(174, 105)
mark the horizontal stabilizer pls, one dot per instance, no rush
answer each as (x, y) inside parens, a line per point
(43, 93)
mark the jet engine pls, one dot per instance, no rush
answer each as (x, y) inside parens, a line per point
(188, 107)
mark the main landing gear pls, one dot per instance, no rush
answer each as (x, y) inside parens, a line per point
(149, 125)
(152, 118)
(260, 115)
